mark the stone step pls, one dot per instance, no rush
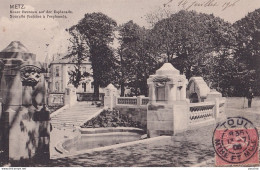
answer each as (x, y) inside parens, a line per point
(73, 116)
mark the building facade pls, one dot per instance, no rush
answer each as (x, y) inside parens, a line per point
(59, 76)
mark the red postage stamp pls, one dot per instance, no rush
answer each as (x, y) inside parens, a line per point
(236, 142)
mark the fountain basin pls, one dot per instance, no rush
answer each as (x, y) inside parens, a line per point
(98, 137)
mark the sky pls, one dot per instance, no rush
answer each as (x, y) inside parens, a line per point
(47, 36)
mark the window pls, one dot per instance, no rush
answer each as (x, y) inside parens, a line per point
(57, 86)
(57, 71)
(84, 87)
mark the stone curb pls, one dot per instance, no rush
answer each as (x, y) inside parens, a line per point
(59, 147)
(113, 146)
(110, 129)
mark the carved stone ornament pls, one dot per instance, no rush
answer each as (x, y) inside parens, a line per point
(30, 75)
(161, 79)
(159, 84)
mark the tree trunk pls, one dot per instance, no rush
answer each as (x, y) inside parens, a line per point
(122, 89)
(144, 88)
(96, 91)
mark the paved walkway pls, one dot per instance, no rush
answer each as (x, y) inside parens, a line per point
(64, 124)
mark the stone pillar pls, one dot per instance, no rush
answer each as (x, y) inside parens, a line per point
(183, 92)
(152, 96)
(174, 91)
(170, 93)
(70, 95)
(24, 114)
(178, 93)
(216, 107)
(139, 100)
(110, 96)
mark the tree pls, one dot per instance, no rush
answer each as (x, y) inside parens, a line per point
(158, 14)
(97, 30)
(198, 45)
(78, 52)
(248, 48)
(136, 60)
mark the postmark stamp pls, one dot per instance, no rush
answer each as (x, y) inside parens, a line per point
(235, 142)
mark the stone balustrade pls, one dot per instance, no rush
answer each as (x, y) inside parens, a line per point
(205, 111)
(55, 99)
(145, 101)
(139, 101)
(201, 112)
(126, 101)
(62, 98)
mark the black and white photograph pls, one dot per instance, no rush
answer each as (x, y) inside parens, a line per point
(129, 83)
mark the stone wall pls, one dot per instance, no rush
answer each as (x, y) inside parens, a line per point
(136, 114)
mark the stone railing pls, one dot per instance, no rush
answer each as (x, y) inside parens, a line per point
(201, 111)
(68, 97)
(145, 101)
(55, 99)
(206, 111)
(88, 96)
(126, 101)
(139, 101)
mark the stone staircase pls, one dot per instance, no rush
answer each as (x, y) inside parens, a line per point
(74, 116)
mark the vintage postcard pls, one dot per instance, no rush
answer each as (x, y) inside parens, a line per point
(129, 83)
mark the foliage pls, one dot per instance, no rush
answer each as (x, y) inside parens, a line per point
(137, 61)
(197, 44)
(78, 52)
(187, 36)
(112, 119)
(76, 77)
(97, 30)
(91, 39)
(248, 48)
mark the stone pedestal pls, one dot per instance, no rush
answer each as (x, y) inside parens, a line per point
(24, 116)
(70, 95)
(167, 108)
(110, 96)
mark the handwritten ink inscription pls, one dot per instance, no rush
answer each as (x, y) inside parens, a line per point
(189, 4)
